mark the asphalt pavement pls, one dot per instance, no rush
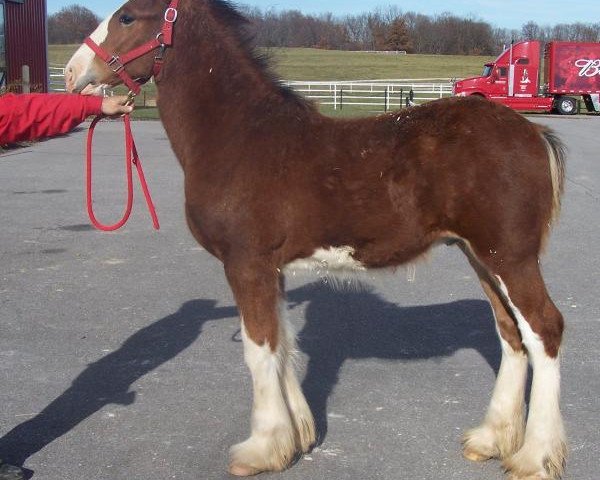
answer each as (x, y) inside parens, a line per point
(120, 353)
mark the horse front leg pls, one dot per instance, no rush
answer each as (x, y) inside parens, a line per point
(280, 413)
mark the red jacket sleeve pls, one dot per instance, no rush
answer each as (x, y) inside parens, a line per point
(37, 115)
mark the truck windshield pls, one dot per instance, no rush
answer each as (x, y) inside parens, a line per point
(487, 70)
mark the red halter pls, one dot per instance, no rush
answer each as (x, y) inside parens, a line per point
(162, 40)
(117, 64)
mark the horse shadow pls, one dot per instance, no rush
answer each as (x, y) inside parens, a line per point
(358, 324)
(339, 325)
(108, 380)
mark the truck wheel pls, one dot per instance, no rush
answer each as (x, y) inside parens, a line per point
(566, 105)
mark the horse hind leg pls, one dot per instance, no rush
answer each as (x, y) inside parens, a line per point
(278, 408)
(544, 450)
(520, 287)
(501, 433)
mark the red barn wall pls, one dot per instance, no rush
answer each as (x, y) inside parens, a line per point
(27, 42)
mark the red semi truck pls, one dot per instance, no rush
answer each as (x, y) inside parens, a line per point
(516, 77)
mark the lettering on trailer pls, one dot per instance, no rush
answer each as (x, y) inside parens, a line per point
(589, 68)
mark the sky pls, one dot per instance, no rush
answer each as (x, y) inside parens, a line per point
(500, 13)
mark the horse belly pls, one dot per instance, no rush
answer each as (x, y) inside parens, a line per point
(325, 262)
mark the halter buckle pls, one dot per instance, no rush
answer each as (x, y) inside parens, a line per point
(171, 15)
(115, 64)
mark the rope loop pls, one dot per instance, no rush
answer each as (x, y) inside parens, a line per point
(131, 158)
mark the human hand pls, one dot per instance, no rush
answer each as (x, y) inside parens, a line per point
(117, 105)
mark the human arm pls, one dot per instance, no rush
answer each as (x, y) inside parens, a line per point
(27, 117)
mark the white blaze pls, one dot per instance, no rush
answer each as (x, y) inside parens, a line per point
(79, 72)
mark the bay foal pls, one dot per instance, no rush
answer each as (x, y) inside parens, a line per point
(271, 184)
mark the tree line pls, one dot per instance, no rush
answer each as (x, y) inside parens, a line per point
(387, 29)
(71, 25)
(393, 29)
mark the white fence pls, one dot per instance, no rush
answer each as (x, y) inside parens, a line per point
(381, 95)
(56, 76)
(378, 95)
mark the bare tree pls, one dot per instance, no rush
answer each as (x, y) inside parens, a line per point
(357, 31)
(378, 29)
(71, 25)
(531, 31)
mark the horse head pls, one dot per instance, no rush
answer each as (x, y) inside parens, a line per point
(125, 45)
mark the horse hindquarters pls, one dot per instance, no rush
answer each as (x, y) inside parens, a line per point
(504, 249)
(281, 421)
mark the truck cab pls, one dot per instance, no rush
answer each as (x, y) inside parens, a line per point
(517, 80)
(512, 79)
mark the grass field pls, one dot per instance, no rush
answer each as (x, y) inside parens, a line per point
(312, 64)
(58, 55)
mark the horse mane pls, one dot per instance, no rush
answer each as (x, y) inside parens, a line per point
(245, 35)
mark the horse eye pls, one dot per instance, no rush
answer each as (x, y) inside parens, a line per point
(126, 19)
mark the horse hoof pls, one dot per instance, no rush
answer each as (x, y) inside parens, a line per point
(240, 470)
(475, 456)
(513, 472)
(516, 474)
(535, 463)
(262, 453)
(479, 444)
(540, 476)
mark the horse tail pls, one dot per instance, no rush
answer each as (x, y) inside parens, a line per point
(557, 159)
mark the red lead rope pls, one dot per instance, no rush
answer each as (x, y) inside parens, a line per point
(131, 158)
